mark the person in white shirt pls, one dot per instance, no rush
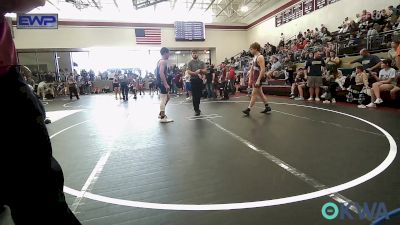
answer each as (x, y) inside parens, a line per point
(386, 82)
(188, 86)
(275, 68)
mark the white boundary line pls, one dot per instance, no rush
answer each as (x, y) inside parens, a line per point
(288, 168)
(256, 204)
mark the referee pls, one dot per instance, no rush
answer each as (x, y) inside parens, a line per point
(196, 70)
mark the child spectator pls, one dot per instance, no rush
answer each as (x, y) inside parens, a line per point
(299, 83)
(336, 80)
(361, 84)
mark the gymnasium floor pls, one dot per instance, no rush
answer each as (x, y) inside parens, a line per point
(117, 158)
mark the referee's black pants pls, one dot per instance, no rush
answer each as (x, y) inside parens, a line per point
(197, 87)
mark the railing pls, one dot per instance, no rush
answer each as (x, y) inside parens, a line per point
(374, 43)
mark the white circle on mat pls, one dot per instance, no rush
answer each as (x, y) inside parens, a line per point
(255, 204)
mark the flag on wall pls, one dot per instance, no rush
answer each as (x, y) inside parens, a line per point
(148, 36)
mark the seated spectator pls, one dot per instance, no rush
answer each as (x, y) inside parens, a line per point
(335, 80)
(394, 14)
(353, 28)
(372, 32)
(289, 69)
(332, 61)
(371, 63)
(365, 14)
(388, 27)
(361, 84)
(300, 35)
(392, 54)
(325, 35)
(385, 82)
(398, 54)
(300, 83)
(358, 18)
(276, 68)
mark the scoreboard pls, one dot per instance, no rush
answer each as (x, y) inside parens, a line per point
(300, 9)
(189, 31)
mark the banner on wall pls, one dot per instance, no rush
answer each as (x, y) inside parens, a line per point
(37, 21)
(300, 9)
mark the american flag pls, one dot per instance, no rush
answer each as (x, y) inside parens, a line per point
(148, 36)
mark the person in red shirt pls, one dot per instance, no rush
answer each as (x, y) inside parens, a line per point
(232, 78)
(32, 181)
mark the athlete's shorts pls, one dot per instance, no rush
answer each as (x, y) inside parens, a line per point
(314, 81)
(115, 85)
(188, 86)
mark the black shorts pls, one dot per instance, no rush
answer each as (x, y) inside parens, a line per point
(115, 85)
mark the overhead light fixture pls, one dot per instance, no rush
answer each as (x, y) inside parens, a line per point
(244, 8)
(178, 52)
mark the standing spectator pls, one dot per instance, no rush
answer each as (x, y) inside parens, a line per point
(178, 82)
(210, 77)
(371, 63)
(72, 87)
(385, 82)
(315, 69)
(232, 78)
(188, 87)
(124, 87)
(196, 70)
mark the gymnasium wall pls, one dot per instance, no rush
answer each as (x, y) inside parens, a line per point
(226, 42)
(331, 16)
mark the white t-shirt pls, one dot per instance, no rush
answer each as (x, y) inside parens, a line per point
(187, 77)
(387, 74)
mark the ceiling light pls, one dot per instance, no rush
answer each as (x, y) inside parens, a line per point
(178, 52)
(244, 8)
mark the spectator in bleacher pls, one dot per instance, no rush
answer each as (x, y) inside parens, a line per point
(300, 35)
(299, 83)
(365, 14)
(372, 32)
(398, 54)
(394, 14)
(332, 61)
(371, 63)
(289, 68)
(325, 35)
(357, 19)
(353, 28)
(276, 68)
(392, 54)
(314, 71)
(385, 82)
(361, 83)
(336, 80)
